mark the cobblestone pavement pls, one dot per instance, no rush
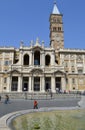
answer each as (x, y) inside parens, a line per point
(18, 105)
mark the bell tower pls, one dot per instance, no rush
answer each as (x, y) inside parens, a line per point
(56, 29)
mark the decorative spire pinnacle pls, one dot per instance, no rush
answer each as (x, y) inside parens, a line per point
(21, 43)
(55, 9)
(42, 43)
(37, 42)
(31, 43)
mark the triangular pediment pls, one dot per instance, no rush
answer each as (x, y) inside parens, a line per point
(14, 72)
(59, 72)
(37, 48)
(37, 71)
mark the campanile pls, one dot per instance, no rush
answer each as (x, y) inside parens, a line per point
(56, 29)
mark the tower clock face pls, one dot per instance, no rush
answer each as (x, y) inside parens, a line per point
(57, 37)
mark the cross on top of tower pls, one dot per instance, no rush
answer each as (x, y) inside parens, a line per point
(54, 1)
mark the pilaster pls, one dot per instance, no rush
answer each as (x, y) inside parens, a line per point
(75, 65)
(70, 84)
(76, 80)
(63, 83)
(69, 65)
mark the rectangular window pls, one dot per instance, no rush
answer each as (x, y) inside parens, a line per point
(80, 71)
(54, 28)
(73, 81)
(6, 63)
(72, 64)
(66, 81)
(5, 80)
(66, 64)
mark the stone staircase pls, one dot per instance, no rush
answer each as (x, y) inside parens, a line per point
(44, 96)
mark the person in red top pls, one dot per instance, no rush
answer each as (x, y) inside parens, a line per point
(35, 104)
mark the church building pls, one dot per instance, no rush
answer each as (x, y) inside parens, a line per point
(36, 68)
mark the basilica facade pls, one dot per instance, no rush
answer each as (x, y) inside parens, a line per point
(37, 68)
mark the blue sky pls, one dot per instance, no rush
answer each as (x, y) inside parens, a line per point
(28, 19)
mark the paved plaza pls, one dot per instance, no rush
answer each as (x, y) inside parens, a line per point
(22, 104)
(18, 107)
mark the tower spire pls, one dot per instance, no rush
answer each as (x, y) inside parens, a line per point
(54, 1)
(55, 8)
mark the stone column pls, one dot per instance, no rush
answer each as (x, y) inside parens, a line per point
(19, 84)
(31, 58)
(21, 58)
(53, 84)
(30, 84)
(42, 82)
(43, 59)
(52, 58)
(63, 83)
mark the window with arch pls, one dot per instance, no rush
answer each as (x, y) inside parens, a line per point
(59, 28)
(73, 81)
(54, 29)
(47, 60)
(26, 59)
(37, 58)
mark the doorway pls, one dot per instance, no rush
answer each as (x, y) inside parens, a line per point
(25, 84)
(47, 83)
(58, 83)
(36, 83)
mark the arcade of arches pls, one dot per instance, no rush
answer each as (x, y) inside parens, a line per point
(26, 59)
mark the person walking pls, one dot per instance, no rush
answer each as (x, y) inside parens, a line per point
(6, 99)
(35, 104)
